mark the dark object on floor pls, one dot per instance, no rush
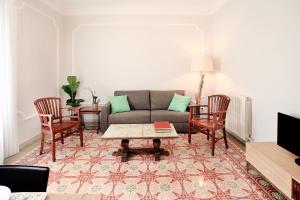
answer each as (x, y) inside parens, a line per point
(21, 178)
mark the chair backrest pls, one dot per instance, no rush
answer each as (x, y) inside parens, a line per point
(218, 103)
(21, 178)
(49, 105)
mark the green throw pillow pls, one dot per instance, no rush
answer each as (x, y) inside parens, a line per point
(119, 104)
(179, 103)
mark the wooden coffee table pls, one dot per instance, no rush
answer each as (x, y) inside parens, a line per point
(126, 132)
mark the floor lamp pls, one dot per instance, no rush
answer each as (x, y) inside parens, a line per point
(201, 65)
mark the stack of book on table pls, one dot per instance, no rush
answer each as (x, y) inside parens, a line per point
(162, 127)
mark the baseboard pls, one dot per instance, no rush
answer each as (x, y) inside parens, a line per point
(29, 141)
(237, 137)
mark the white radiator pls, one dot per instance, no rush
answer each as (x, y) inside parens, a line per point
(239, 117)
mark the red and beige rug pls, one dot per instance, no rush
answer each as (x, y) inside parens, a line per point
(189, 173)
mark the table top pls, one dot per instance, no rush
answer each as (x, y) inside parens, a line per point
(89, 109)
(136, 131)
(198, 105)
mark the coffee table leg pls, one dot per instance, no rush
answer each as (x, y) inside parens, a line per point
(125, 150)
(157, 150)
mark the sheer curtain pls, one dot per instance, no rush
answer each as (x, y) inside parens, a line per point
(8, 112)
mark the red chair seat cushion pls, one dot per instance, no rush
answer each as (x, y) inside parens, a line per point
(65, 125)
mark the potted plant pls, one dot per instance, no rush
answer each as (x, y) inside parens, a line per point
(95, 99)
(71, 90)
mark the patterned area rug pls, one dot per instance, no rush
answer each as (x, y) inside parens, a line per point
(189, 173)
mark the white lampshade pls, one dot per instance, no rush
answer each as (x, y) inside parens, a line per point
(202, 64)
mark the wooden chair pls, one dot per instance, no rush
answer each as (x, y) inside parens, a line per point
(50, 113)
(214, 120)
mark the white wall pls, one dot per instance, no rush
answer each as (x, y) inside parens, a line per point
(38, 60)
(113, 52)
(257, 44)
(106, 52)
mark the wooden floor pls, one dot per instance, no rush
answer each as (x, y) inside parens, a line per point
(36, 143)
(237, 142)
(23, 151)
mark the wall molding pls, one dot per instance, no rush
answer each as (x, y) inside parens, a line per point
(80, 26)
(26, 117)
(96, 8)
(53, 7)
(20, 5)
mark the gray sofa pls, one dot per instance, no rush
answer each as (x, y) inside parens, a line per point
(146, 106)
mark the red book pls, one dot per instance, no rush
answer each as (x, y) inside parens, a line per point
(162, 125)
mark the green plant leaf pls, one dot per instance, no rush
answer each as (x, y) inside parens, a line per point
(77, 102)
(67, 90)
(73, 83)
(72, 80)
(70, 102)
(71, 90)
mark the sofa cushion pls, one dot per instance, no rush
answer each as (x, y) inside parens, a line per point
(119, 104)
(179, 103)
(160, 99)
(132, 117)
(171, 116)
(138, 99)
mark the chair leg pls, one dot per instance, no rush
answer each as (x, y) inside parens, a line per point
(53, 149)
(190, 136)
(213, 142)
(62, 137)
(208, 132)
(225, 138)
(42, 143)
(81, 135)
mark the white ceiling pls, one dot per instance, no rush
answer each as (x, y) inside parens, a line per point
(169, 7)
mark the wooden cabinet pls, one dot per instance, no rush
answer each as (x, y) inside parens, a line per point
(277, 165)
(296, 190)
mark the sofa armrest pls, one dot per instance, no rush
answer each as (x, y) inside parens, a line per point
(105, 111)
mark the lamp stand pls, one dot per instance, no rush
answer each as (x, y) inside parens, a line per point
(201, 83)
